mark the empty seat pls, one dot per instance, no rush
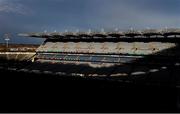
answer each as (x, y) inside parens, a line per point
(111, 59)
(72, 57)
(84, 58)
(60, 56)
(96, 58)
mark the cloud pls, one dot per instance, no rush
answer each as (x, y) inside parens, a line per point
(137, 14)
(13, 6)
(50, 15)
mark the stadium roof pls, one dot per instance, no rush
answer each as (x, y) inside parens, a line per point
(57, 34)
(84, 34)
(99, 34)
(116, 34)
(132, 33)
(171, 31)
(150, 32)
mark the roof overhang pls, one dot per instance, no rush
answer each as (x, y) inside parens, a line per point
(69, 34)
(132, 33)
(99, 34)
(84, 34)
(170, 31)
(57, 35)
(151, 32)
(116, 34)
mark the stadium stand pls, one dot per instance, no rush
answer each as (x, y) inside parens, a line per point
(117, 54)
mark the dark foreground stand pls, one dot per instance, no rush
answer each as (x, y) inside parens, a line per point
(22, 92)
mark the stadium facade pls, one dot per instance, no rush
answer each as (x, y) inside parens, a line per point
(115, 53)
(104, 46)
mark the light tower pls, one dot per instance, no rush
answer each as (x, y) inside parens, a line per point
(7, 38)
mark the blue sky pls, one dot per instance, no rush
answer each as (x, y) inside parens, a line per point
(17, 16)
